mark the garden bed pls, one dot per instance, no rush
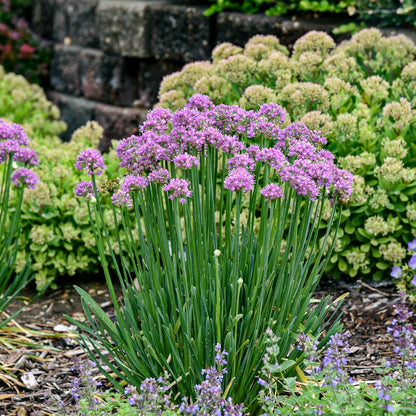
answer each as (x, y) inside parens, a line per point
(367, 310)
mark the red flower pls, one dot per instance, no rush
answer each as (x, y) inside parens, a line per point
(26, 51)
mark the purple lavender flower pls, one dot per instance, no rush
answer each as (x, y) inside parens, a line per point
(91, 160)
(272, 191)
(24, 176)
(13, 132)
(185, 161)
(85, 190)
(412, 262)
(396, 272)
(239, 180)
(178, 188)
(411, 245)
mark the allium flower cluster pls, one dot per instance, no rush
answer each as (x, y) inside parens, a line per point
(178, 188)
(209, 400)
(85, 189)
(90, 160)
(24, 176)
(13, 132)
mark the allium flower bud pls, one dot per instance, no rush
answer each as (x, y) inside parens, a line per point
(91, 160)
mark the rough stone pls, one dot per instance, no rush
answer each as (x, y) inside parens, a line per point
(74, 111)
(118, 122)
(42, 17)
(74, 22)
(151, 74)
(179, 33)
(124, 27)
(65, 69)
(238, 28)
(109, 78)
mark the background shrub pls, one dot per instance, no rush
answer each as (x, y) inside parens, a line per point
(55, 226)
(374, 12)
(360, 95)
(21, 51)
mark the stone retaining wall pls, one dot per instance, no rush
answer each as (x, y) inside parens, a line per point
(110, 56)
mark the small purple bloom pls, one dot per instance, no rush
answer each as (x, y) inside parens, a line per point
(413, 281)
(412, 262)
(178, 188)
(122, 198)
(411, 245)
(159, 176)
(396, 272)
(26, 177)
(272, 191)
(91, 160)
(26, 155)
(239, 180)
(85, 190)
(13, 132)
(133, 183)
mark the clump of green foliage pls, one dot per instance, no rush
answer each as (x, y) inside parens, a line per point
(375, 12)
(21, 51)
(361, 96)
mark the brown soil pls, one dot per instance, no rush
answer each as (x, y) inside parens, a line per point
(368, 309)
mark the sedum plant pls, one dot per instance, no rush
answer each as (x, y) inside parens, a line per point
(360, 96)
(206, 271)
(15, 158)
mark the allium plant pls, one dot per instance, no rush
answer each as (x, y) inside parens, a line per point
(361, 96)
(15, 155)
(326, 387)
(206, 271)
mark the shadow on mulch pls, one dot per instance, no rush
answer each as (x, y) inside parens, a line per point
(38, 347)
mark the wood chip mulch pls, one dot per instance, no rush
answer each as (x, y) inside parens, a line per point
(37, 348)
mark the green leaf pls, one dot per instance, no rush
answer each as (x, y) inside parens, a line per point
(349, 228)
(382, 265)
(342, 264)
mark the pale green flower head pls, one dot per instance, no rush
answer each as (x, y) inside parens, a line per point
(214, 86)
(341, 66)
(257, 51)
(170, 82)
(224, 51)
(399, 51)
(271, 42)
(358, 194)
(346, 126)
(255, 95)
(375, 87)
(69, 232)
(174, 100)
(376, 225)
(409, 72)
(379, 199)
(40, 196)
(92, 133)
(318, 121)
(237, 69)
(392, 170)
(194, 71)
(395, 148)
(400, 114)
(303, 97)
(307, 65)
(313, 41)
(276, 68)
(357, 258)
(41, 234)
(362, 112)
(354, 163)
(393, 252)
(411, 212)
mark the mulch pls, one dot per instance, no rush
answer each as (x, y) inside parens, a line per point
(38, 347)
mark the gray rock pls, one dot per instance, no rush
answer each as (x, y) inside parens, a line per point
(74, 22)
(179, 33)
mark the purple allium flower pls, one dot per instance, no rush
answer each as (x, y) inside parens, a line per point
(26, 177)
(85, 190)
(122, 198)
(241, 160)
(26, 155)
(133, 183)
(199, 102)
(396, 272)
(411, 245)
(272, 191)
(157, 120)
(239, 180)
(91, 160)
(178, 188)
(273, 112)
(159, 176)
(7, 148)
(13, 132)
(412, 262)
(185, 161)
